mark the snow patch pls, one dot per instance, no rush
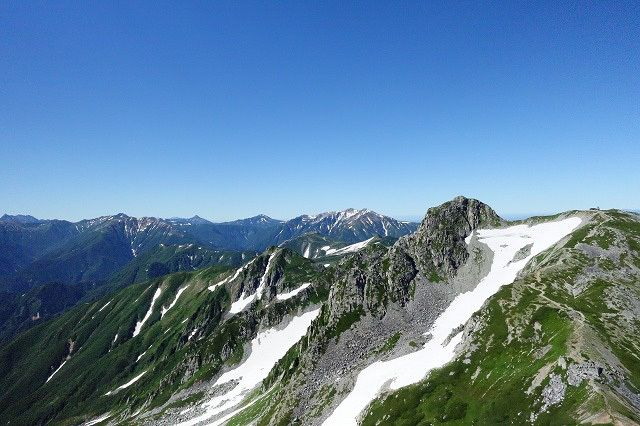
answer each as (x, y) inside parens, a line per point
(349, 249)
(106, 304)
(148, 314)
(57, 369)
(266, 349)
(292, 293)
(231, 278)
(165, 310)
(141, 355)
(195, 330)
(245, 300)
(411, 368)
(97, 420)
(126, 385)
(468, 239)
(240, 304)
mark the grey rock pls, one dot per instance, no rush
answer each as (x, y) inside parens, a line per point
(553, 393)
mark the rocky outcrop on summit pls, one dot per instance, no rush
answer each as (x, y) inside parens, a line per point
(434, 253)
(439, 240)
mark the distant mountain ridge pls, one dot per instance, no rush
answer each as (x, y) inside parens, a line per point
(349, 225)
(19, 218)
(35, 252)
(195, 219)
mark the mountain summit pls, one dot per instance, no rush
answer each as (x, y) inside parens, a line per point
(19, 218)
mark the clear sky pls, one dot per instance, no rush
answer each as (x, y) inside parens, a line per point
(230, 109)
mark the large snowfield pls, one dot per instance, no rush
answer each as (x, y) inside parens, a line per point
(266, 349)
(411, 368)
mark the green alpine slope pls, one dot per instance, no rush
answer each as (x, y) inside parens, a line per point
(288, 340)
(99, 349)
(21, 311)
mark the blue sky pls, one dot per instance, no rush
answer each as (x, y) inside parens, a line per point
(230, 109)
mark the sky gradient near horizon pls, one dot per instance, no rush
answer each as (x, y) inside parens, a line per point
(230, 109)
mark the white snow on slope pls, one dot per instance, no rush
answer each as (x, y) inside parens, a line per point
(266, 349)
(292, 293)
(148, 314)
(240, 408)
(240, 304)
(411, 368)
(307, 252)
(232, 277)
(263, 279)
(97, 420)
(165, 310)
(141, 355)
(245, 300)
(100, 310)
(349, 249)
(106, 304)
(126, 385)
(57, 369)
(193, 333)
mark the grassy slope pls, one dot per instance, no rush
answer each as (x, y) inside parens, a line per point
(18, 310)
(98, 364)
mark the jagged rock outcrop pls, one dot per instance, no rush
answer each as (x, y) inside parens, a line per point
(277, 271)
(439, 240)
(376, 277)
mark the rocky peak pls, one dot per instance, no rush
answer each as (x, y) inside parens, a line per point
(434, 253)
(440, 236)
(460, 216)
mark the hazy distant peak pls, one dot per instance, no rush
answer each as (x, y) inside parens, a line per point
(20, 218)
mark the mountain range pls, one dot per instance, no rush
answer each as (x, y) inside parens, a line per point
(88, 258)
(35, 251)
(470, 319)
